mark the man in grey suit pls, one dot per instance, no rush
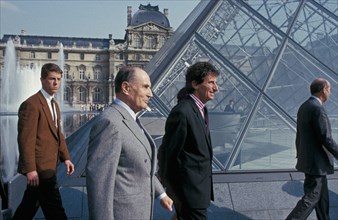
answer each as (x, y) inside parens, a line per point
(121, 160)
(315, 152)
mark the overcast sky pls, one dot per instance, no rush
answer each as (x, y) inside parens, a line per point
(79, 18)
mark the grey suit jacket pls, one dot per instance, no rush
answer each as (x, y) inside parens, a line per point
(314, 142)
(120, 170)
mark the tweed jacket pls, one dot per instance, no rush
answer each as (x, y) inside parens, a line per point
(41, 144)
(315, 145)
(120, 169)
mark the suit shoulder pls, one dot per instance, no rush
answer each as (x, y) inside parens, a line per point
(32, 98)
(30, 101)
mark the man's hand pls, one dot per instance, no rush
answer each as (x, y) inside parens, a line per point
(32, 178)
(167, 203)
(70, 167)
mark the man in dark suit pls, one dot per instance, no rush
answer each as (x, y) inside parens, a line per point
(315, 152)
(185, 155)
(121, 159)
(41, 144)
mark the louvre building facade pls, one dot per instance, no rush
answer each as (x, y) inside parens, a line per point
(90, 64)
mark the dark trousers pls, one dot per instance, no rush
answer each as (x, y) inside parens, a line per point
(46, 195)
(316, 196)
(186, 213)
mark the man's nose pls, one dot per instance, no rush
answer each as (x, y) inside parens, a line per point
(216, 87)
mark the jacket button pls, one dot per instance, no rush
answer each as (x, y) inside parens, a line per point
(145, 160)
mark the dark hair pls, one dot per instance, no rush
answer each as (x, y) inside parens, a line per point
(125, 74)
(317, 85)
(49, 67)
(196, 72)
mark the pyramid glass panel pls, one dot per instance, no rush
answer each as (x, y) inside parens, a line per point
(267, 53)
(268, 142)
(317, 32)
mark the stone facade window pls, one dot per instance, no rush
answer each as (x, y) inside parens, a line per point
(97, 72)
(138, 43)
(82, 74)
(82, 94)
(97, 95)
(151, 42)
(66, 94)
(66, 72)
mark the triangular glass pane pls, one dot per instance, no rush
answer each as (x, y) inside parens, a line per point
(269, 142)
(290, 84)
(317, 32)
(279, 13)
(244, 41)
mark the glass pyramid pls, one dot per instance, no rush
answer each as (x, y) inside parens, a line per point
(267, 52)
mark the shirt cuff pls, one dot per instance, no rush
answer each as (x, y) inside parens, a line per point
(162, 196)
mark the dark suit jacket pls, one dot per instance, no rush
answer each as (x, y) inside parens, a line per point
(40, 143)
(185, 156)
(314, 140)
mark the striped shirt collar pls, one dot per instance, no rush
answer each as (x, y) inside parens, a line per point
(198, 102)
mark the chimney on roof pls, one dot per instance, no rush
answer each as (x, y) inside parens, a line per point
(129, 11)
(110, 36)
(165, 12)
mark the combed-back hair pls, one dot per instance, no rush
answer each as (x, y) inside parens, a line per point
(49, 67)
(126, 73)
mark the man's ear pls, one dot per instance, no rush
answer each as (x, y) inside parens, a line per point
(125, 87)
(194, 84)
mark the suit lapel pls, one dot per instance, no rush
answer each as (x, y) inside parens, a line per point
(202, 123)
(135, 129)
(48, 114)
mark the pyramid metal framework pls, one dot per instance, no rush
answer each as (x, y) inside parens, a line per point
(267, 52)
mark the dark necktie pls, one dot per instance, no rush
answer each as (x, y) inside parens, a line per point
(206, 118)
(139, 124)
(52, 102)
